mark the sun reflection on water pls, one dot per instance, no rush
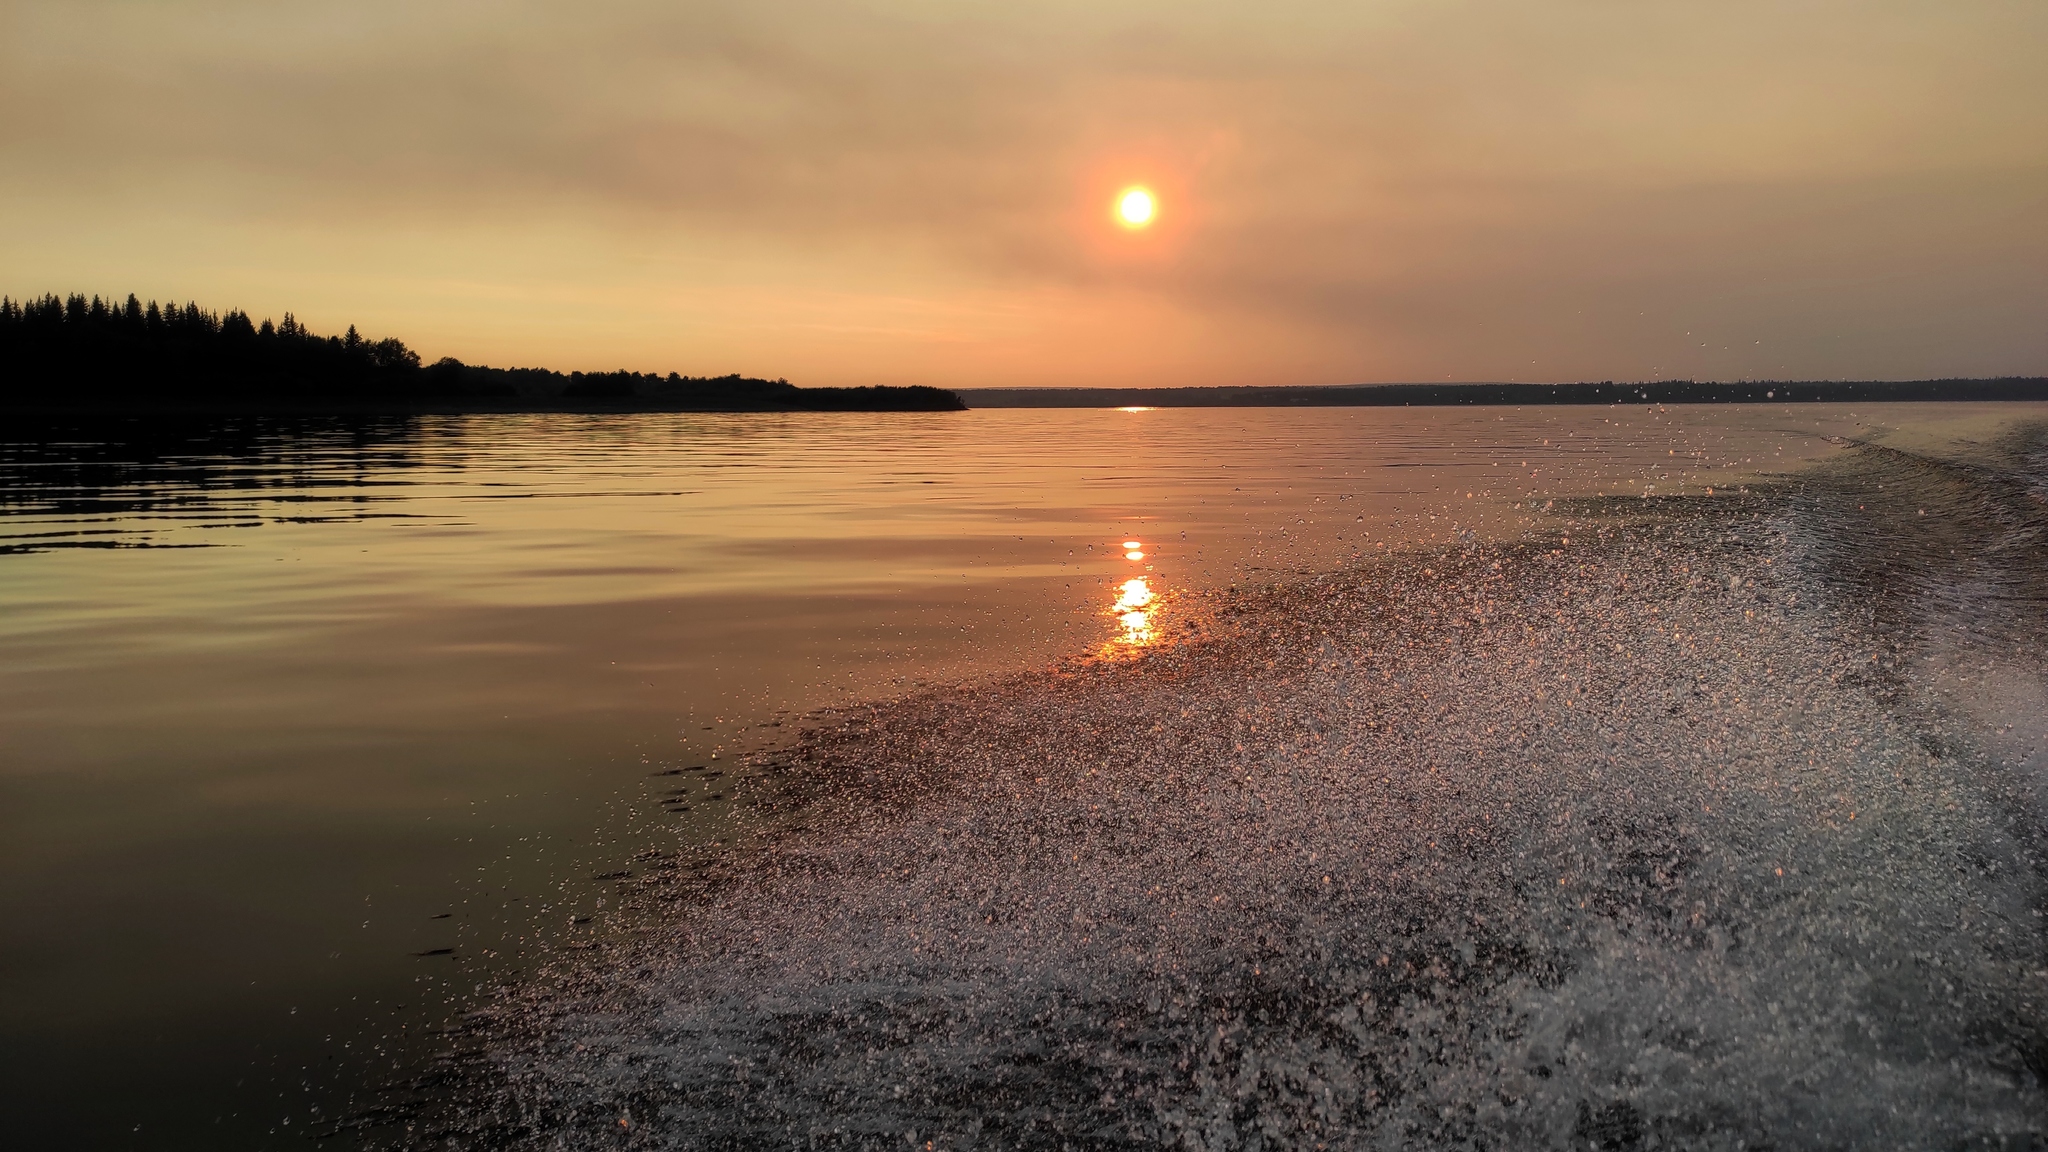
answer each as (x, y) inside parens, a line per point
(1133, 608)
(1131, 602)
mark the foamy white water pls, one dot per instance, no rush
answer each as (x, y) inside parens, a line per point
(1696, 823)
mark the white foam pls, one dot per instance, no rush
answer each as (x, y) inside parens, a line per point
(1518, 847)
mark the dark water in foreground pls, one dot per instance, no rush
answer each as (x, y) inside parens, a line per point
(1383, 815)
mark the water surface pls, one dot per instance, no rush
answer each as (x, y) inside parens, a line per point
(315, 731)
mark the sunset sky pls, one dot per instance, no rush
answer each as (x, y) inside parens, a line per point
(911, 191)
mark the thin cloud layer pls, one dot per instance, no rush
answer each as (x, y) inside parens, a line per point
(918, 192)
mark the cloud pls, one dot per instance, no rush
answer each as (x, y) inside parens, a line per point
(1391, 189)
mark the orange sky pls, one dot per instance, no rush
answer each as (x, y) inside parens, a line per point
(919, 192)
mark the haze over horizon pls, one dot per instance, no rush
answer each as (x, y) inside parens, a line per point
(904, 192)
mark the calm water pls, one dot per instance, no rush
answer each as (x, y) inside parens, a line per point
(309, 731)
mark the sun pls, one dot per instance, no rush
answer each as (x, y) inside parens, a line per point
(1135, 207)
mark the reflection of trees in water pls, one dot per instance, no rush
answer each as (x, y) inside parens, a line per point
(60, 474)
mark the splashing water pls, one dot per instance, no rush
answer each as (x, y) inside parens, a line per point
(1684, 823)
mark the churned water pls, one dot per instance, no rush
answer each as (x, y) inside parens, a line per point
(1460, 778)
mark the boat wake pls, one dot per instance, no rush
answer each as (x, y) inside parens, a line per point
(1687, 823)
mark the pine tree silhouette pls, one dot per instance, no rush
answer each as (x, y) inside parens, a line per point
(99, 352)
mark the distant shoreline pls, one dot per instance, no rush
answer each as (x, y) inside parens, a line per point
(97, 357)
(73, 356)
(442, 406)
(1452, 395)
(2002, 389)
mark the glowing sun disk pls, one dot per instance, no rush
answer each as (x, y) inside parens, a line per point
(1135, 208)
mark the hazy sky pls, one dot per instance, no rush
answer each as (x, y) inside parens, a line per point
(896, 191)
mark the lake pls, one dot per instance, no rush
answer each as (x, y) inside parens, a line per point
(322, 734)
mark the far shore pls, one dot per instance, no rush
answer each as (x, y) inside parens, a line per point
(1447, 395)
(788, 399)
(107, 357)
(438, 406)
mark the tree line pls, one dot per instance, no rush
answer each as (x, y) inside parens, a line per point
(75, 345)
(98, 351)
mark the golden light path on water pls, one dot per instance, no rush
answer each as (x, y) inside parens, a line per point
(1132, 606)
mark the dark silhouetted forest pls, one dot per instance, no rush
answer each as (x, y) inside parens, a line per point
(96, 353)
